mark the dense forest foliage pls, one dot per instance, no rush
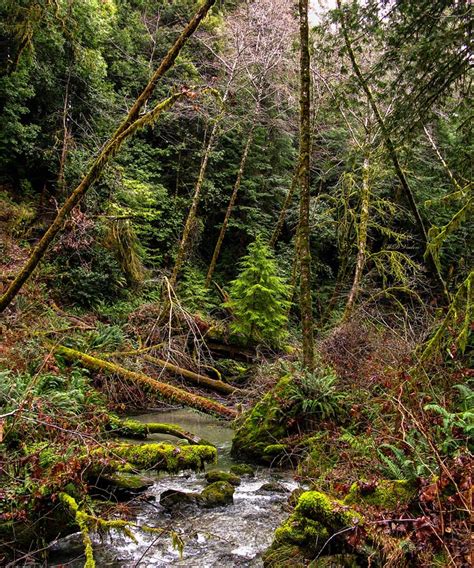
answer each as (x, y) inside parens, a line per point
(258, 209)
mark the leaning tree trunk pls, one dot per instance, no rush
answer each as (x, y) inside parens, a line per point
(392, 152)
(230, 206)
(183, 245)
(306, 304)
(129, 126)
(362, 239)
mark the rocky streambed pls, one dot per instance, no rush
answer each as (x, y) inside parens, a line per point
(232, 535)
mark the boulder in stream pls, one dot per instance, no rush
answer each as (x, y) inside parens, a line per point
(273, 487)
(242, 469)
(219, 475)
(174, 499)
(217, 494)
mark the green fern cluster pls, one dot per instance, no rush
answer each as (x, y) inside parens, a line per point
(58, 394)
(316, 395)
(456, 428)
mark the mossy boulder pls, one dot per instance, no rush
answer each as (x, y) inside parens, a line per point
(385, 494)
(264, 425)
(242, 469)
(318, 520)
(173, 499)
(217, 494)
(122, 484)
(217, 475)
(166, 457)
(273, 487)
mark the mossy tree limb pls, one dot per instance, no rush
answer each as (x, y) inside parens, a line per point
(128, 127)
(140, 430)
(361, 238)
(87, 523)
(167, 392)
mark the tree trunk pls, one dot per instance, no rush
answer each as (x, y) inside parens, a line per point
(168, 392)
(128, 127)
(231, 204)
(392, 152)
(362, 239)
(306, 304)
(284, 210)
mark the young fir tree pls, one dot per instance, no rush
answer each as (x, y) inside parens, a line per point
(259, 297)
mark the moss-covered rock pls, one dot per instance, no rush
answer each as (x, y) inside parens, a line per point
(166, 457)
(173, 499)
(242, 469)
(122, 484)
(264, 425)
(217, 494)
(273, 487)
(318, 521)
(217, 475)
(385, 494)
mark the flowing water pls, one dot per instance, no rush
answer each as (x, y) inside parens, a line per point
(228, 537)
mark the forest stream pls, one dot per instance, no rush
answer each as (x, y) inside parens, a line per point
(229, 536)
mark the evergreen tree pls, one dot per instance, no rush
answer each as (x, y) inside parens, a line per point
(259, 297)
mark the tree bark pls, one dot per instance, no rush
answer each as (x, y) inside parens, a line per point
(306, 304)
(128, 127)
(168, 392)
(230, 206)
(392, 152)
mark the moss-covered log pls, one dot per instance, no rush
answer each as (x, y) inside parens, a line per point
(168, 392)
(140, 430)
(164, 457)
(200, 380)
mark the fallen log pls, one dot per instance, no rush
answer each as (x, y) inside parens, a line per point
(134, 429)
(200, 380)
(168, 392)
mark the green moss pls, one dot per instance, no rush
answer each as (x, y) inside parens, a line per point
(265, 424)
(166, 457)
(217, 494)
(128, 428)
(317, 519)
(217, 475)
(385, 494)
(274, 449)
(127, 481)
(242, 469)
